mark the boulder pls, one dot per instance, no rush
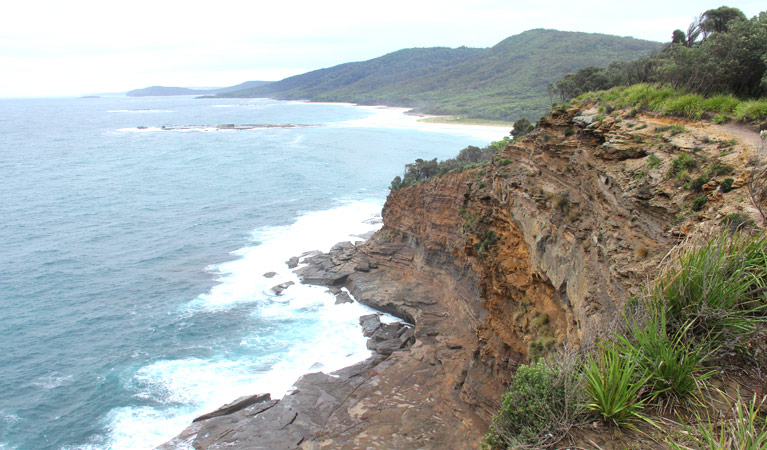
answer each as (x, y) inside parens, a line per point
(292, 262)
(270, 274)
(370, 323)
(281, 287)
(343, 297)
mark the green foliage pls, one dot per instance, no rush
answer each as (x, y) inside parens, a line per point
(718, 56)
(505, 82)
(717, 169)
(614, 383)
(745, 429)
(737, 222)
(544, 400)
(653, 161)
(696, 184)
(723, 104)
(423, 170)
(521, 127)
(690, 106)
(721, 118)
(718, 287)
(682, 162)
(490, 239)
(699, 202)
(726, 185)
(674, 364)
(751, 110)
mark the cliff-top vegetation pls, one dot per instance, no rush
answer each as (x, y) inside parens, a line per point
(718, 67)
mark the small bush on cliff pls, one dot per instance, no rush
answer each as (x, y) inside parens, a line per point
(720, 288)
(744, 429)
(544, 401)
(614, 384)
(424, 170)
(674, 364)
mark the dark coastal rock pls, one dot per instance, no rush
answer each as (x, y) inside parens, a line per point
(270, 274)
(343, 297)
(325, 270)
(391, 337)
(292, 262)
(370, 323)
(363, 266)
(284, 424)
(281, 287)
(237, 405)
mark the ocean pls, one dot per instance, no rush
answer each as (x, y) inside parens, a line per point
(132, 294)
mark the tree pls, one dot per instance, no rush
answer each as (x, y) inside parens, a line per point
(521, 127)
(678, 37)
(718, 20)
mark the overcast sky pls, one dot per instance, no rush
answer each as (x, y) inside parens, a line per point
(74, 47)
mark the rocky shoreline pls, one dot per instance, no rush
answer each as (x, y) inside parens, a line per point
(536, 250)
(258, 421)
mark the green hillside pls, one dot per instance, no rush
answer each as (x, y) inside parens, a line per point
(504, 82)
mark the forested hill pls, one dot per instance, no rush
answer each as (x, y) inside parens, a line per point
(505, 82)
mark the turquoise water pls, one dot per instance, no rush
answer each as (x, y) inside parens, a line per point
(131, 289)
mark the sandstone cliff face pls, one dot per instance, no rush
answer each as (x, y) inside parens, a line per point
(539, 249)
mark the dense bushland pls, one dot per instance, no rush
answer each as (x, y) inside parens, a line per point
(424, 170)
(720, 61)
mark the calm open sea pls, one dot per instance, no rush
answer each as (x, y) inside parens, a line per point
(131, 257)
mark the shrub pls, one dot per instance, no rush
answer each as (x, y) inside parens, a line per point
(653, 162)
(675, 365)
(751, 110)
(717, 169)
(614, 382)
(719, 287)
(682, 162)
(699, 202)
(737, 222)
(745, 429)
(696, 184)
(690, 105)
(727, 185)
(720, 103)
(544, 400)
(721, 118)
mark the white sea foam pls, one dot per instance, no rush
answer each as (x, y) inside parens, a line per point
(241, 281)
(322, 336)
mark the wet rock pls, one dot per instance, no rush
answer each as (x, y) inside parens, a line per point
(335, 290)
(343, 297)
(391, 337)
(270, 274)
(370, 323)
(292, 262)
(237, 405)
(281, 287)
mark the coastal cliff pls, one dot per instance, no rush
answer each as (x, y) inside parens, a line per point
(536, 250)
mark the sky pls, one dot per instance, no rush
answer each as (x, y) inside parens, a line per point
(77, 47)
